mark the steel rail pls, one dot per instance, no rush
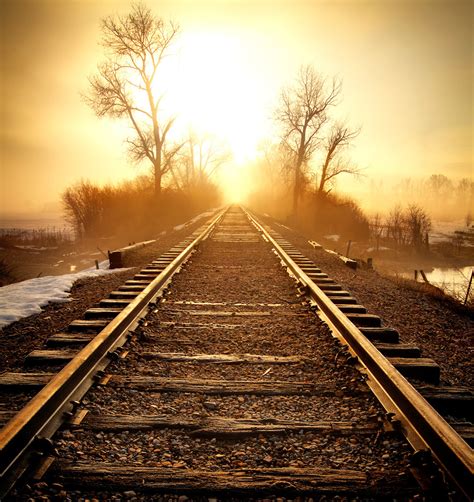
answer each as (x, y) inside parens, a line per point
(44, 413)
(421, 422)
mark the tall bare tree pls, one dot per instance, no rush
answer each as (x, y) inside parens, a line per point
(334, 163)
(302, 112)
(202, 158)
(125, 85)
(206, 155)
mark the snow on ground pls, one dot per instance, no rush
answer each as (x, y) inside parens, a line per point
(25, 298)
(334, 237)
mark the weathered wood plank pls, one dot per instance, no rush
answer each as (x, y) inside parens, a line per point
(24, 380)
(102, 312)
(221, 426)
(219, 313)
(156, 478)
(338, 294)
(229, 313)
(198, 325)
(60, 339)
(352, 309)
(343, 300)
(366, 320)
(123, 294)
(221, 387)
(83, 325)
(398, 350)
(222, 304)
(330, 287)
(388, 335)
(451, 400)
(133, 288)
(224, 358)
(49, 356)
(117, 302)
(421, 368)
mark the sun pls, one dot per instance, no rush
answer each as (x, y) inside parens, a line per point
(210, 86)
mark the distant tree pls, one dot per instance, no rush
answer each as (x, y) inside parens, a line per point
(126, 84)
(465, 198)
(83, 207)
(395, 225)
(301, 113)
(334, 163)
(439, 185)
(203, 157)
(418, 225)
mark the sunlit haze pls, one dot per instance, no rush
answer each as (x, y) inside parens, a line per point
(406, 67)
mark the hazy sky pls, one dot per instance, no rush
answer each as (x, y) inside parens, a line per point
(406, 65)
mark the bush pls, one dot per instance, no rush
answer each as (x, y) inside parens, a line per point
(324, 213)
(130, 210)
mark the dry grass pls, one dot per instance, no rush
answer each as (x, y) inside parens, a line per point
(437, 294)
(7, 273)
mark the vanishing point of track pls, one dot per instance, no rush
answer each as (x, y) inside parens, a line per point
(155, 337)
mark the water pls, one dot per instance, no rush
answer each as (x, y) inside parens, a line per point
(27, 227)
(453, 281)
(32, 224)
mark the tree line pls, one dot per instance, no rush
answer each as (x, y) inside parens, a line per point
(403, 227)
(127, 86)
(129, 209)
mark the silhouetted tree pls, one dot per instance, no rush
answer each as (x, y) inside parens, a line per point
(204, 157)
(334, 163)
(418, 224)
(126, 84)
(302, 112)
(395, 225)
(83, 207)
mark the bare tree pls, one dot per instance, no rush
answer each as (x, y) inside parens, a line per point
(200, 161)
(301, 113)
(126, 84)
(418, 225)
(334, 163)
(395, 225)
(206, 155)
(83, 207)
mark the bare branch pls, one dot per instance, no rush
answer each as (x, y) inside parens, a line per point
(135, 45)
(302, 112)
(339, 138)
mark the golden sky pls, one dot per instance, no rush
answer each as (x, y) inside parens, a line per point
(406, 67)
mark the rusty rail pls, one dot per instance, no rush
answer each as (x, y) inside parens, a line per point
(31, 427)
(421, 423)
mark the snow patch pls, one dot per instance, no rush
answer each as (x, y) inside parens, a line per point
(26, 298)
(334, 237)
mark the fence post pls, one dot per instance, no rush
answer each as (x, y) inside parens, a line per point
(469, 287)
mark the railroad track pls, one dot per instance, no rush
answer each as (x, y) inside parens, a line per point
(228, 383)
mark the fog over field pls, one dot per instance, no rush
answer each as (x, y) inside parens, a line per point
(405, 70)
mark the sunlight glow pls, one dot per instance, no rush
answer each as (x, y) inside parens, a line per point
(234, 185)
(212, 90)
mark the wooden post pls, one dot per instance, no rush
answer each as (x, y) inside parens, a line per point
(416, 275)
(348, 248)
(424, 276)
(469, 287)
(97, 264)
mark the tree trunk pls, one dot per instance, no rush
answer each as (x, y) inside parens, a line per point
(296, 190)
(157, 173)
